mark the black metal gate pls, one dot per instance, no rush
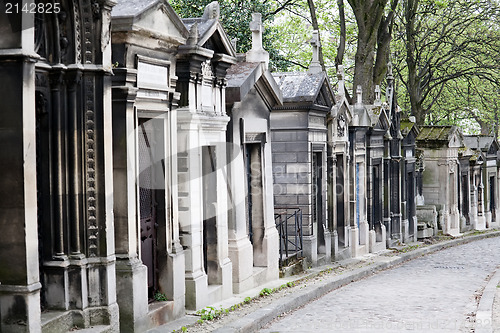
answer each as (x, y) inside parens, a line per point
(147, 204)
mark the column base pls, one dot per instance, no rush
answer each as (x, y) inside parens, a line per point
(310, 247)
(196, 290)
(132, 294)
(20, 308)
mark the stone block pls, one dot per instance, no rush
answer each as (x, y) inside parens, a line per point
(285, 200)
(297, 168)
(304, 189)
(284, 158)
(284, 136)
(297, 147)
(287, 178)
(303, 157)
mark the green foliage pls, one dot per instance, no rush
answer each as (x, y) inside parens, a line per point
(266, 292)
(160, 297)
(184, 329)
(247, 300)
(210, 313)
(457, 63)
(236, 16)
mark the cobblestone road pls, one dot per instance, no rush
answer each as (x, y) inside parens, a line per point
(434, 293)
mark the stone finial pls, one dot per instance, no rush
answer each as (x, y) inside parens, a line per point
(359, 95)
(315, 66)
(340, 72)
(212, 11)
(257, 30)
(257, 52)
(378, 94)
(233, 42)
(341, 78)
(390, 76)
(193, 35)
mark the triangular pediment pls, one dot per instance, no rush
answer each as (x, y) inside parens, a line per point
(216, 39)
(493, 149)
(380, 120)
(156, 20)
(324, 95)
(455, 141)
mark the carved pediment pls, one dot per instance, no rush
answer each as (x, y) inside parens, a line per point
(324, 97)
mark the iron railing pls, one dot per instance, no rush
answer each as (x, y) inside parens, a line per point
(289, 224)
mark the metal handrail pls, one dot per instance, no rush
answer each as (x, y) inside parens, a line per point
(290, 234)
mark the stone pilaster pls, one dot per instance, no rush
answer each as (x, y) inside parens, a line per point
(19, 272)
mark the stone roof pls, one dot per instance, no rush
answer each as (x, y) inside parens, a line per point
(440, 136)
(238, 73)
(406, 126)
(243, 76)
(125, 8)
(299, 86)
(204, 25)
(375, 112)
(360, 116)
(482, 142)
(436, 133)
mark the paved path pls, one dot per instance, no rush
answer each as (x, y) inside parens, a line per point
(436, 293)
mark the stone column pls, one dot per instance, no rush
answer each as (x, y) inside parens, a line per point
(101, 269)
(190, 207)
(172, 279)
(240, 248)
(271, 236)
(131, 274)
(19, 273)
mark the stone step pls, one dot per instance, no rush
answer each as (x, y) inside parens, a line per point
(294, 268)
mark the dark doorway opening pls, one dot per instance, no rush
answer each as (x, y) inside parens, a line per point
(377, 203)
(410, 201)
(340, 196)
(209, 180)
(317, 199)
(465, 198)
(147, 203)
(255, 198)
(492, 198)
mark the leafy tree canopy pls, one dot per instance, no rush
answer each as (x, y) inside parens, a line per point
(236, 16)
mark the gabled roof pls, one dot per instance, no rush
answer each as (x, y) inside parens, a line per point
(481, 142)
(360, 116)
(440, 136)
(378, 117)
(486, 144)
(155, 19)
(207, 32)
(243, 76)
(305, 87)
(407, 126)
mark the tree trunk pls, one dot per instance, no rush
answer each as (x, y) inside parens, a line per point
(413, 84)
(368, 15)
(341, 48)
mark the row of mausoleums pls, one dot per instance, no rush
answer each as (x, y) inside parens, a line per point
(142, 158)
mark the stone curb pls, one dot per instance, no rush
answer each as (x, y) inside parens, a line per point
(258, 319)
(484, 314)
